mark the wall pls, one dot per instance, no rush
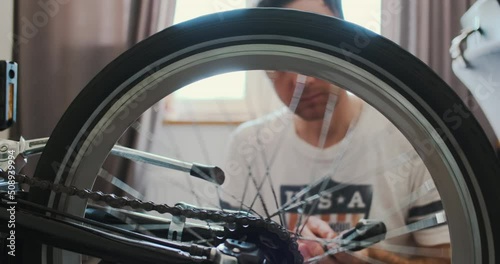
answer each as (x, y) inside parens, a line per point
(6, 28)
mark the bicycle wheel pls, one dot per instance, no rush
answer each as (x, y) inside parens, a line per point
(462, 163)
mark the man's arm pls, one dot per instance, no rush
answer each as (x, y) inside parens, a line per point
(388, 257)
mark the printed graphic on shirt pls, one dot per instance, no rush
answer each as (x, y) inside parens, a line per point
(341, 205)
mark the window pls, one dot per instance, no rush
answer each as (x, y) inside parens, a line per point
(240, 96)
(229, 86)
(220, 98)
(366, 13)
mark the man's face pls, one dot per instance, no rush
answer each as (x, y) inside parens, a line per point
(312, 104)
(313, 6)
(315, 96)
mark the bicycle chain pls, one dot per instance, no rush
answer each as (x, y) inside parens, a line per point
(200, 214)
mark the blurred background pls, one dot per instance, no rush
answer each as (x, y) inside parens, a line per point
(61, 45)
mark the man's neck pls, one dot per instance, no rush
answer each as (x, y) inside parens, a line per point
(346, 112)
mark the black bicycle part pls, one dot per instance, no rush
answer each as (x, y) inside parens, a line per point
(244, 252)
(366, 233)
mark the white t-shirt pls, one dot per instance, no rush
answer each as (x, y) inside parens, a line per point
(372, 173)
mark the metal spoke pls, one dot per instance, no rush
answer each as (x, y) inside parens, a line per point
(104, 174)
(258, 196)
(324, 132)
(247, 182)
(267, 177)
(428, 222)
(198, 235)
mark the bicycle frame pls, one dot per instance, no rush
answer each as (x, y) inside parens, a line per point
(59, 233)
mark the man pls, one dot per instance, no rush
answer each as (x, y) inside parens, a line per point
(332, 156)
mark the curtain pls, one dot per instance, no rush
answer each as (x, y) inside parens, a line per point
(61, 45)
(426, 28)
(151, 18)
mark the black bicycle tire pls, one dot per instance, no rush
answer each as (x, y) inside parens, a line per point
(424, 83)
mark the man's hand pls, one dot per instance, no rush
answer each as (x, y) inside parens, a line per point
(316, 228)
